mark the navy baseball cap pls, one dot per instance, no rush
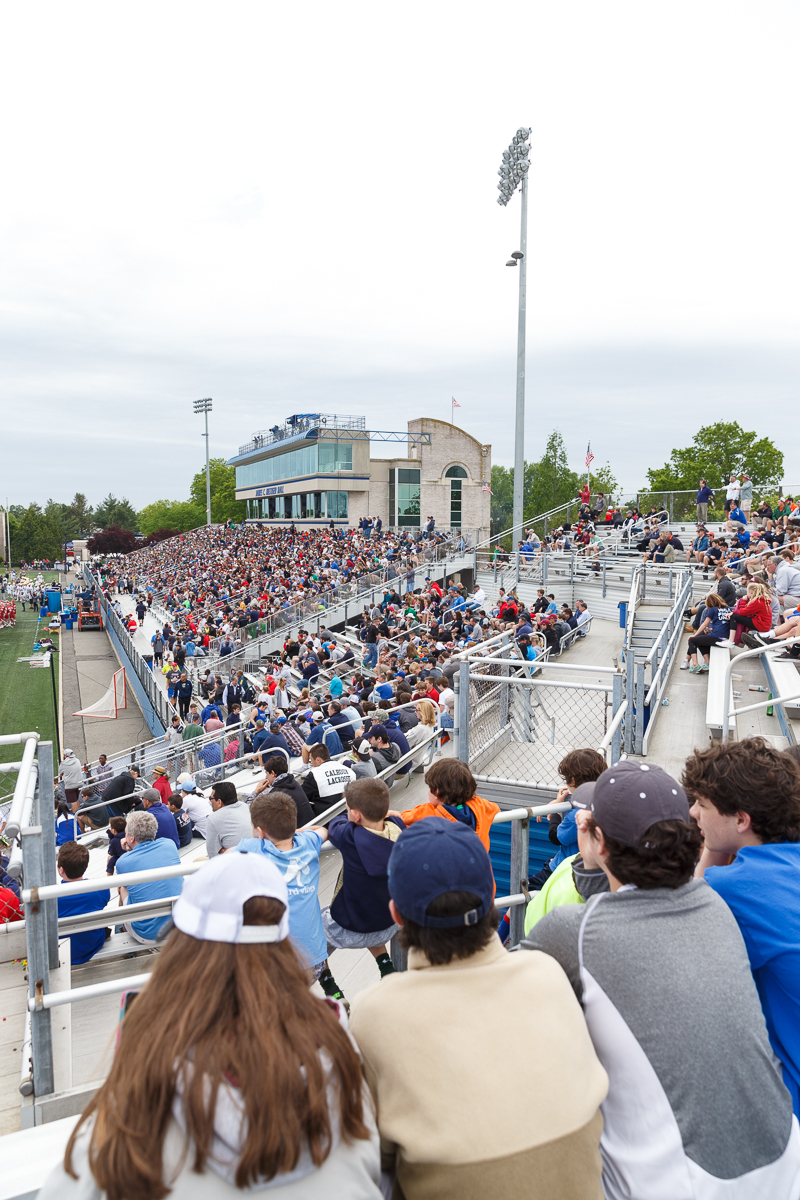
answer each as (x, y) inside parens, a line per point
(630, 797)
(434, 856)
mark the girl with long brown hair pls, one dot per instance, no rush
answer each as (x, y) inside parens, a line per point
(230, 1075)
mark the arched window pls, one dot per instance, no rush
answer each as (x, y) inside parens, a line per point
(455, 475)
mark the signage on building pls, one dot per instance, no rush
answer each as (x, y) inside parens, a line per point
(273, 491)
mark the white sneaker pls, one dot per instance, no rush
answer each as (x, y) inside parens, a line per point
(725, 642)
(684, 665)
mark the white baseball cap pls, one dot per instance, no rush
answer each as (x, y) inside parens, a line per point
(210, 905)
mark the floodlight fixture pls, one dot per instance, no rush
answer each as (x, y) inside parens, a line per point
(205, 407)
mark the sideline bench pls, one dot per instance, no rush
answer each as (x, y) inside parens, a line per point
(718, 660)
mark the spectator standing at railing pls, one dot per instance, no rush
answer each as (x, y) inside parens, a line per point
(705, 495)
(679, 1116)
(747, 803)
(732, 493)
(746, 495)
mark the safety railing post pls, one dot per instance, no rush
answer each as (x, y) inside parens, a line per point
(616, 737)
(630, 691)
(520, 831)
(605, 564)
(42, 805)
(38, 962)
(463, 711)
(639, 708)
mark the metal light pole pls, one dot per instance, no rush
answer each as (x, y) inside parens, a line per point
(204, 406)
(513, 174)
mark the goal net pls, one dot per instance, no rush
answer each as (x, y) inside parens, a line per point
(115, 699)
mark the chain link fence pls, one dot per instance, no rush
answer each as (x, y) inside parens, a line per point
(515, 727)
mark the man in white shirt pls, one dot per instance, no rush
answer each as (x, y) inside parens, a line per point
(732, 493)
(477, 599)
(196, 807)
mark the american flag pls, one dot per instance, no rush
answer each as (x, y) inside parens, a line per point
(455, 402)
(589, 455)
(485, 488)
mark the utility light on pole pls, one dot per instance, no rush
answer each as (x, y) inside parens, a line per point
(204, 406)
(513, 174)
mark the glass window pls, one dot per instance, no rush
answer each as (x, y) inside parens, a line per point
(302, 461)
(455, 473)
(271, 508)
(335, 456)
(392, 497)
(287, 507)
(297, 505)
(408, 497)
(455, 502)
(337, 504)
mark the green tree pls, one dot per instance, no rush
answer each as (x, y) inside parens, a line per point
(549, 482)
(79, 516)
(112, 511)
(224, 505)
(36, 535)
(502, 499)
(718, 451)
(603, 480)
(170, 514)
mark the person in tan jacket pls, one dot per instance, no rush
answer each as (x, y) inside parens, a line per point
(485, 1079)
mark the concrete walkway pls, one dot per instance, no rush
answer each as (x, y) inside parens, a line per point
(88, 663)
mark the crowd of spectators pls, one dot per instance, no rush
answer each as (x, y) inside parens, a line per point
(660, 969)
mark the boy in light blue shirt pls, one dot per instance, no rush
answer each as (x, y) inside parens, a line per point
(296, 855)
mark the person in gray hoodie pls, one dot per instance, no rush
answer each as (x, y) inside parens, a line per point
(695, 1107)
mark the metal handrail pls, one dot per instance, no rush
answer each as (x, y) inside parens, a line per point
(528, 522)
(129, 983)
(605, 745)
(726, 691)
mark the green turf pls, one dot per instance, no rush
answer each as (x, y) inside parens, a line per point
(26, 693)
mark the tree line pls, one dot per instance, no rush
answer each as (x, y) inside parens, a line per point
(42, 531)
(716, 452)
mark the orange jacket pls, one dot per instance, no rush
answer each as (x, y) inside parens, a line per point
(484, 813)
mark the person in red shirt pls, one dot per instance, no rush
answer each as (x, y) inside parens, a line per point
(9, 906)
(426, 691)
(161, 783)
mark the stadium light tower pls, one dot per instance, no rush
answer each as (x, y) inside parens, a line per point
(513, 174)
(204, 406)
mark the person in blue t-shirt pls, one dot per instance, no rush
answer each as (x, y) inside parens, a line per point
(746, 800)
(73, 859)
(145, 852)
(296, 855)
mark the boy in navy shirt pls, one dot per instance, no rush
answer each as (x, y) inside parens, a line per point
(175, 806)
(73, 859)
(116, 832)
(358, 916)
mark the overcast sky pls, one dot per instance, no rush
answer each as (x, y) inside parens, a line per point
(293, 208)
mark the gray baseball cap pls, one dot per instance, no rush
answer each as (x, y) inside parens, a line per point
(630, 797)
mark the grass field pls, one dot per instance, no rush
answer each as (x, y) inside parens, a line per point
(26, 695)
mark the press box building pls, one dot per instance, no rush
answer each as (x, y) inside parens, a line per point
(316, 468)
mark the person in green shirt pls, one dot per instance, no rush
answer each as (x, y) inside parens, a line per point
(193, 729)
(573, 881)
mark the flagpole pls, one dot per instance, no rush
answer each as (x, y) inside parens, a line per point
(588, 468)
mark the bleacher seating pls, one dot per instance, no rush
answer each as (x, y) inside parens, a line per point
(719, 658)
